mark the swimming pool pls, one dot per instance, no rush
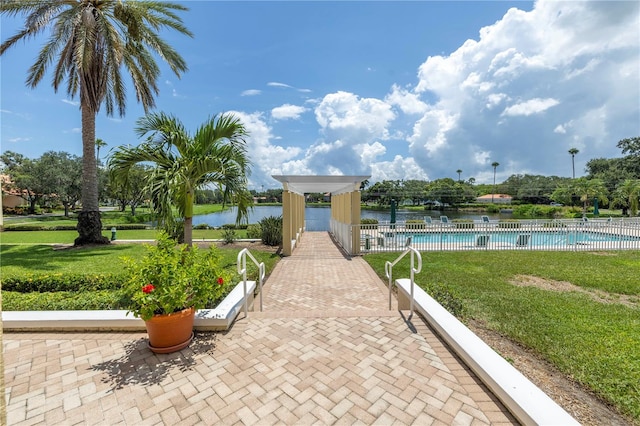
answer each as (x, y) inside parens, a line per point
(536, 238)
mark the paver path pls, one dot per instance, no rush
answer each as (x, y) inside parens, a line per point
(312, 357)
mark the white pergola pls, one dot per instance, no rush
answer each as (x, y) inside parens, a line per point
(345, 207)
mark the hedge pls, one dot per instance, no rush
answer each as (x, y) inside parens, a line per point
(41, 283)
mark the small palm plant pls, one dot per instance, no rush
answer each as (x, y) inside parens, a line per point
(215, 154)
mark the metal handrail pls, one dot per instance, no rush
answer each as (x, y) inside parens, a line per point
(242, 269)
(388, 269)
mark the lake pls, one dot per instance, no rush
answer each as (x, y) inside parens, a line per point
(317, 218)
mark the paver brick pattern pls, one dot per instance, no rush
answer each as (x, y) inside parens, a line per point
(310, 358)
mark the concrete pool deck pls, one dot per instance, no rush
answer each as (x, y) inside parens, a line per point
(319, 353)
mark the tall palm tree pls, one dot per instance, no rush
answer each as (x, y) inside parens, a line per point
(459, 172)
(91, 40)
(215, 154)
(573, 152)
(99, 144)
(495, 165)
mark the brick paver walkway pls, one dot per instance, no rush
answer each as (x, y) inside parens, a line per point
(325, 351)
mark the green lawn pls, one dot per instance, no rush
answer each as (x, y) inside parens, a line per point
(596, 343)
(67, 237)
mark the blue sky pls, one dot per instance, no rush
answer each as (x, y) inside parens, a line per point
(398, 90)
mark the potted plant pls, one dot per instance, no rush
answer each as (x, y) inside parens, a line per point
(167, 285)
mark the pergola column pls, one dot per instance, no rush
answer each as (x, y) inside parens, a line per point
(292, 220)
(354, 220)
(345, 207)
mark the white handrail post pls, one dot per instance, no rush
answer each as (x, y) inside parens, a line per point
(242, 269)
(244, 280)
(388, 273)
(261, 272)
(412, 281)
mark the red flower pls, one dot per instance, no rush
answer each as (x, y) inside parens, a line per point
(220, 281)
(148, 288)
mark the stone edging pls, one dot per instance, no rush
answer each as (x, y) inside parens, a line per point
(219, 318)
(528, 403)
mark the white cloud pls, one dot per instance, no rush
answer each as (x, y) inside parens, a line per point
(267, 158)
(409, 103)
(399, 168)
(71, 102)
(532, 106)
(573, 63)
(17, 140)
(430, 132)
(174, 92)
(288, 111)
(276, 84)
(370, 152)
(251, 92)
(560, 129)
(358, 120)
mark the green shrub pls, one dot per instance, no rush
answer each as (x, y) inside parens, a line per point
(201, 226)
(493, 208)
(368, 224)
(63, 300)
(229, 235)
(509, 224)
(271, 230)
(554, 224)
(448, 298)
(254, 231)
(126, 226)
(415, 224)
(368, 221)
(139, 218)
(234, 226)
(57, 282)
(463, 223)
(536, 210)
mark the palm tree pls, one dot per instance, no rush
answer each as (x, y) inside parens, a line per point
(495, 165)
(99, 144)
(91, 40)
(628, 195)
(573, 152)
(215, 154)
(459, 172)
(589, 189)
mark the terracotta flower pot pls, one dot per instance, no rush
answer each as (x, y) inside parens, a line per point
(170, 332)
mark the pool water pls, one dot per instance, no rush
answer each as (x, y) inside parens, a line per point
(538, 238)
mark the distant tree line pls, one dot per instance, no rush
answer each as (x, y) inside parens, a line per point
(54, 179)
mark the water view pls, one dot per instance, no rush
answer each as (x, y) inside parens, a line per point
(317, 218)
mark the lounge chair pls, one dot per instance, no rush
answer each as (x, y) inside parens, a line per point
(485, 219)
(523, 240)
(427, 220)
(444, 220)
(482, 240)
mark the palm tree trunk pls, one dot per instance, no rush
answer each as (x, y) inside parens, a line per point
(89, 223)
(188, 219)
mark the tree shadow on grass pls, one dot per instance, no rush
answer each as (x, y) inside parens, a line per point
(139, 366)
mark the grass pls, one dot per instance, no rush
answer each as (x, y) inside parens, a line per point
(30, 259)
(597, 344)
(67, 237)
